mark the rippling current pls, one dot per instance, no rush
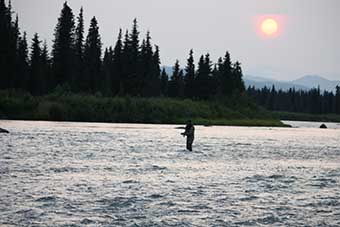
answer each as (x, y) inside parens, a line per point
(91, 174)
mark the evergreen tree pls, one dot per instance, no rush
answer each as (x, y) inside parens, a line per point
(63, 51)
(189, 78)
(146, 67)
(164, 82)
(117, 64)
(22, 64)
(337, 99)
(156, 72)
(203, 78)
(45, 62)
(79, 51)
(134, 46)
(35, 82)
(14, 48)
(176, 84)
(107, 71)
(133, 78)
(8, 41)
(311, 101)
(181, 84)
(270, 102)
(92, 59)
(125, 66)
(238, 84)
(225, 68)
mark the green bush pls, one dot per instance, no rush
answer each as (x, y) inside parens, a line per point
(63, 105)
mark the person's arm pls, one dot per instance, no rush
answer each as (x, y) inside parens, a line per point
(185, 133)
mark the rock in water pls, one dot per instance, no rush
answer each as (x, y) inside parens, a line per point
(3, 130)
(323, 126)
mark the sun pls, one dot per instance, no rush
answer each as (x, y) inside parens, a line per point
(269, 27)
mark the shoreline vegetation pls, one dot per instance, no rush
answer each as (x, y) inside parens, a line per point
(16, 105)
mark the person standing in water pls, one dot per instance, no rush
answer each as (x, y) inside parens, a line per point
(190, 134)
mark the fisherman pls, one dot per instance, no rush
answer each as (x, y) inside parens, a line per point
(190, 134)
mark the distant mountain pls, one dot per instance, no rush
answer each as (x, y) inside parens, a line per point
(261, 82)
(168, 70)
(315, 81)
(303, 83)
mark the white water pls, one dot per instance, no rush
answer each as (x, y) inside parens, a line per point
(91, 174)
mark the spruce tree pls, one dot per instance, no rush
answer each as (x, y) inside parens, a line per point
(22, 63)
(7, 46)
(164, 82)
(189, 78)
(79, 51)
(134, 46)
(337, 99)
(238, 84)
(134, 80)
(35, 82)
(203, 78)
(225, 74)
(45, 69)
(176, 84)
(125, 66)
(146, 67)
(117, 66)
(4, 40)
(63, 51)
(92, 59)
(107, 71)
(156, 72)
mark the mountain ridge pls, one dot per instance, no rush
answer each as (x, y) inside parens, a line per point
(305, 82)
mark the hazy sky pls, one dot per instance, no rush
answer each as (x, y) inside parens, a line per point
(308, 41)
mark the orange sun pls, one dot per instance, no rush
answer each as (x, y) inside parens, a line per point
(269, 27)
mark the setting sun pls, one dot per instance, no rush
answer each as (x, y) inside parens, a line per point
(269, 26)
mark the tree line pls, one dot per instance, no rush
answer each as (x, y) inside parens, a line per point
(313, 101)
(130, 68)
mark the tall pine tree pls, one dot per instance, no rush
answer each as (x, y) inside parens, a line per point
(107, 72)
(22, 64)
(117, 67)
(203, 78)
(132, 78)
(45, 62)
(156, 72)
(79, 51)
(238, 84)
(63, 51)
(225, 73)
(8, 46)
(176, 84)
(189, 78)
(164, 82)
(92, 59)
(36, 79)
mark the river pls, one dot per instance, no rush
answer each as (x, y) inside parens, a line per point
(98, 174)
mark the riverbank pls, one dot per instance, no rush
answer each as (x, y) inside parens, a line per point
(307, 117)
(91, 108)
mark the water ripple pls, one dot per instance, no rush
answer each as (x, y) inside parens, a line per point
(90, 174)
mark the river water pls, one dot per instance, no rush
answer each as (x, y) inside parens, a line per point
(95, 174)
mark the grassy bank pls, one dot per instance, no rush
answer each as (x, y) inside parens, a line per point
(89, 108)
(307, 117)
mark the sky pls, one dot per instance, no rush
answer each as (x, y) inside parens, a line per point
(307, 42)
